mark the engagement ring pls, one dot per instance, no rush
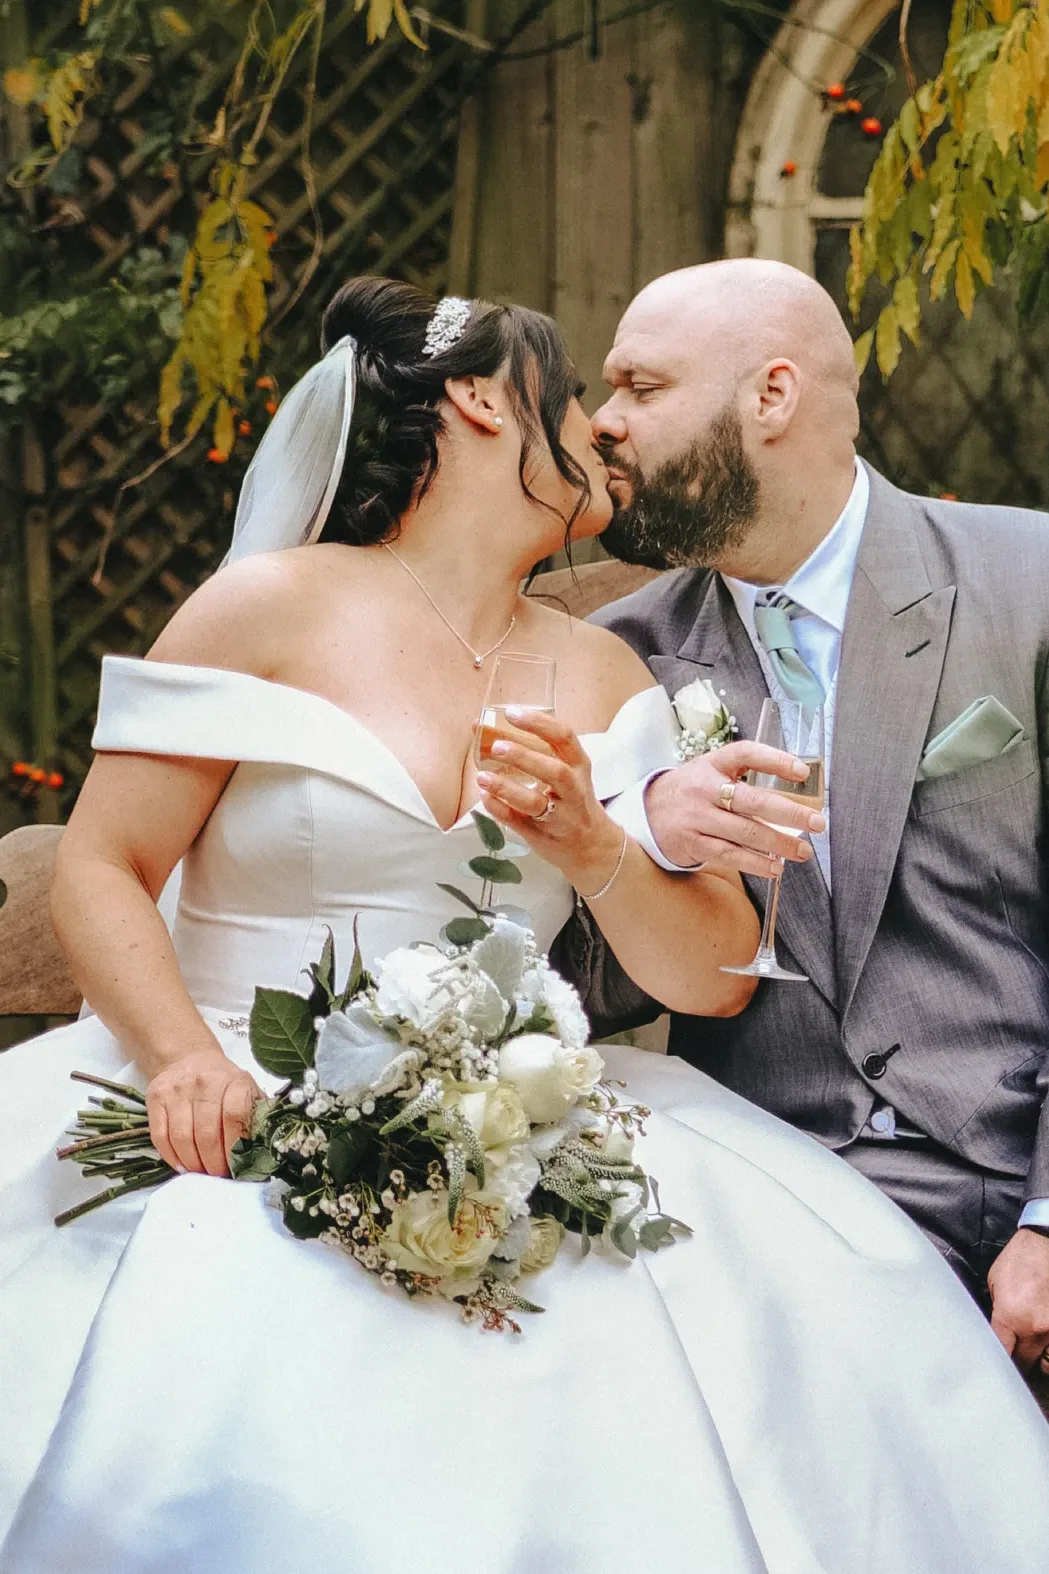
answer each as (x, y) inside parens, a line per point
(551, 805)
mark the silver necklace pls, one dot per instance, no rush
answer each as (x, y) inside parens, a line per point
(480, 657)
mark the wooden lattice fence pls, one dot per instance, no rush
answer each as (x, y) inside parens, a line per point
(383, 148)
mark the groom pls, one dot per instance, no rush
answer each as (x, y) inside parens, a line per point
(919, 1048)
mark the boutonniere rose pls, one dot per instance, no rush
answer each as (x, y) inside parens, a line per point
(704, 718)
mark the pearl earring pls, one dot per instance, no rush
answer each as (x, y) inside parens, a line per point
(498, 420)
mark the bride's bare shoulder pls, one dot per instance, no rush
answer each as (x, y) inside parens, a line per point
(605, 666)
(240, 617)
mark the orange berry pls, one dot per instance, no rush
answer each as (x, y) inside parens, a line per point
(871, 127)
(216, 456)
(271, 237)
(37, 775)
(854, 105)
(265, 382)
(56, 780)
(271, 406)
(836, 90)
(949, 497)
(20, 768)
(244, 429)
(789, 169)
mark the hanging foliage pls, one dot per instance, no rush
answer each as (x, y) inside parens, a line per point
(227, 268)
(959, 191)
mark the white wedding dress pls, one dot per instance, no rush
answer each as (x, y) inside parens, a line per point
(800, 1388)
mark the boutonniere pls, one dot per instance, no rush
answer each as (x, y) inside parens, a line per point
(704, 718)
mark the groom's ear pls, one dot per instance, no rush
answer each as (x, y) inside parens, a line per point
(776, 394)
(479, 402)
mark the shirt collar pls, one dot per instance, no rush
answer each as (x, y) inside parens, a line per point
(823, 582)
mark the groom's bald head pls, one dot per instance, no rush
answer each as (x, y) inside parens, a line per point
(734, 393)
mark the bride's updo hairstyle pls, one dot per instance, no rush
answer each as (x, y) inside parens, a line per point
(392, 455)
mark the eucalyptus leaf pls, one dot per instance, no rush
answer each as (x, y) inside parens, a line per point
(460, 896)
(282, 1036)
(624, 1239)
(490, 832)
(500, 871)
(465, 931)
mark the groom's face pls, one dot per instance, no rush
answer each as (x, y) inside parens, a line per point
(684, 488)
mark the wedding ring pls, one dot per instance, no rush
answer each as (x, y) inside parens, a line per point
(551, 805)
(1043, 1361)
(726, 793)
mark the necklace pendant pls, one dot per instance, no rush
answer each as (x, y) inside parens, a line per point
(478, 661)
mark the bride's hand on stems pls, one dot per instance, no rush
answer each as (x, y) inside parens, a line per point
(198, 1107)
(577, 837)
(691, 826)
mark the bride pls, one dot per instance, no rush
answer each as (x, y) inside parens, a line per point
(800, 1388)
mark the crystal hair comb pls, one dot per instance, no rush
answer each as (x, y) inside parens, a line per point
(447, 325)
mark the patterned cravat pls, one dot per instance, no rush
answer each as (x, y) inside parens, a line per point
(773, 624)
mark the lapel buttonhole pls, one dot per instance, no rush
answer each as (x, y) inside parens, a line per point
(917, 648)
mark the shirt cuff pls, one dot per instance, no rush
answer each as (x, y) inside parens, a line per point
(628, 810)
(1036, 1212)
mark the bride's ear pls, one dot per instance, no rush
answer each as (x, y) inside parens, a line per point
(478, 400)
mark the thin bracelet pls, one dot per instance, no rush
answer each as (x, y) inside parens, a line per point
(610, 882)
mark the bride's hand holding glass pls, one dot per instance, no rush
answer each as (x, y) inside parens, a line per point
(543, 792)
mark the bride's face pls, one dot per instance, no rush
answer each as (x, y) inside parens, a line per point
(550, 486)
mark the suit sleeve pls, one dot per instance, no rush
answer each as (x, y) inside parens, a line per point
(1037, 1188)
(612, 1001)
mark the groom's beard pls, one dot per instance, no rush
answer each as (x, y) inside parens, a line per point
(693, 509)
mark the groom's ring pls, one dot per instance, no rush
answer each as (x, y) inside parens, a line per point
(726, 793)
(551, 805)
(1043, 1360)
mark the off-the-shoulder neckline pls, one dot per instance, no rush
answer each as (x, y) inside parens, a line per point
(172, 669)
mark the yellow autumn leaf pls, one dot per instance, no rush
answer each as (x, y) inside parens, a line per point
(862, 351)
(908, 310)
(887, 342)
(1041, 167)
(64, 97)
(972, 228)
(222, 431)
(1002, 10)
(175, 21)
(942, 272)
(86, 8)
(22, 83)
(404, 22)
(380, 15)
(964, 286)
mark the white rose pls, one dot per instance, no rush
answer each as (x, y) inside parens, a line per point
(544, 1239)
(420, 1239)
(549, 1076)
(698, 706)
(496, 1114)
(352, 1050)
(417, 984)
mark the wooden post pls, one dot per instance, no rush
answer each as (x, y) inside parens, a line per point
(43, 694)
(467, 175)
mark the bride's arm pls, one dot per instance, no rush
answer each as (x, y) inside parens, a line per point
(135, 818)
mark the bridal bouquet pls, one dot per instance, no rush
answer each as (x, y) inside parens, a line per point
(445, 1121)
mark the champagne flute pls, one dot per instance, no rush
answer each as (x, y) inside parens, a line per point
(527, 682)
(803, 736)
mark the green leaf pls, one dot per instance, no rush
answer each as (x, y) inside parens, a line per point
(282, 1034)
(357, 978)
(498, 870)
(323, 975)
(465, 931)
(252, 1161)
(460, 896)
(491, 833)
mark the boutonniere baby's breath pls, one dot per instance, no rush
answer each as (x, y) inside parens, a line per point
(704, 717)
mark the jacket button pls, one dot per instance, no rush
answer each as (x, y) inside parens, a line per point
(875, 1066)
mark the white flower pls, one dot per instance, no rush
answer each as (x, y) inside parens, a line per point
(419, 984)
(353, 1051)
(549, 1076)
(420, 1239)
(544, 1238)
(513, 1175)
(616, 1143)
(562, 1002)
(698, 707)
(496, 1114)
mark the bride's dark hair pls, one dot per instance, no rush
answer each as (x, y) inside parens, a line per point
(393, 455)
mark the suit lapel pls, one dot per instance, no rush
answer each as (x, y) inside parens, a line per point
(892, 655)
(718, 643)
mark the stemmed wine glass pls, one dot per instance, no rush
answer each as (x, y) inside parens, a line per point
(801, 734)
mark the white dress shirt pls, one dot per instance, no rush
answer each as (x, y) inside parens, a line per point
(821, 586)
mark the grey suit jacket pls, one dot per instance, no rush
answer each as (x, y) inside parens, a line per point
(930, 969)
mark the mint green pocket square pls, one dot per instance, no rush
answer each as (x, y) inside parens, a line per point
(982, 732)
